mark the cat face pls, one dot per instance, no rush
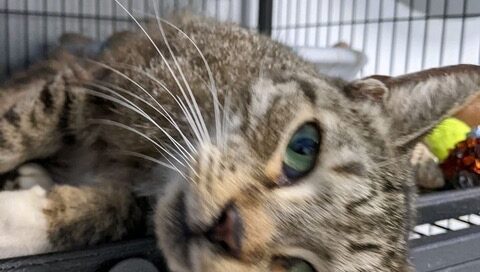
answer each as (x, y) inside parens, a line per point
(302, 181)
(312, 176)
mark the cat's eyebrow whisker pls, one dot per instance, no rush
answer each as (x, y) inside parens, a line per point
(136, 131)
(162, 56)
(193, 101)
(213, 87)
(198, 116)
(142, 113)
(176, 99)
(165, 114)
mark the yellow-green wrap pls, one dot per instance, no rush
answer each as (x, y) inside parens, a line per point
(445, 136)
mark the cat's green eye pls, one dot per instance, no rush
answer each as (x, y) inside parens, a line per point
(284, 264)
(301, 266)
(302, 150)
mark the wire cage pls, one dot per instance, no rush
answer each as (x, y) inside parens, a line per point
(29, 28)
(397, 36)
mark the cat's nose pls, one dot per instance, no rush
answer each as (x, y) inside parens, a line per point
(227, 232)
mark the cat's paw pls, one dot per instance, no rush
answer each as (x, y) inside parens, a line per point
(23, 224)
(428, 174)
(32, 174)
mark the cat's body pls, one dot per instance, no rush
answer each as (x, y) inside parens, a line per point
(230, 206)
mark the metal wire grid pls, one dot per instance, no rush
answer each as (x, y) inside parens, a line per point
(28, 28)
(445, 225)
(398, 36)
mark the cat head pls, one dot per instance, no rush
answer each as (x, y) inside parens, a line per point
(311, 175)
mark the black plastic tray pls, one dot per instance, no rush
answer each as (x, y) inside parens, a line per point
(98, 259)
(453, 251)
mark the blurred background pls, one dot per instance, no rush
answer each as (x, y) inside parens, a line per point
(397, 36)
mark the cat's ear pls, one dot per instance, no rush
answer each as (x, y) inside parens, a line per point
(417, 102)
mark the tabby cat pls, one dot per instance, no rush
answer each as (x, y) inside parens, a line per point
(257, 162)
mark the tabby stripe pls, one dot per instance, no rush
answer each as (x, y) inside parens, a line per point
(47, 99)
(350, 207)
(3, 141)
(63, 122)
(389, 187)
(306, 87)
(358, 247)
(12, 117)
(351, 168)
(33, 118)
(308, 90)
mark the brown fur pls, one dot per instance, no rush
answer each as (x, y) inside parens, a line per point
(101, 213)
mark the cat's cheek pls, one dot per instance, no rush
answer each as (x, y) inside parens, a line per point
(23, 223)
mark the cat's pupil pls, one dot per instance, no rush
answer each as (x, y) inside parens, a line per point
(303, 146)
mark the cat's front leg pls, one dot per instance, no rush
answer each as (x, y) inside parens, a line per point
(36, 221)
(428, 174)
(41, 110)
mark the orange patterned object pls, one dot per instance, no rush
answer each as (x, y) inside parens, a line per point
(462, 167)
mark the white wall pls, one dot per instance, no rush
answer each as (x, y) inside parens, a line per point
(388, 54)
(403, 52)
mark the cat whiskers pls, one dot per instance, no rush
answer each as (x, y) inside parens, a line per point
(143, 135)
(179, 68)
(175, 98)
(115, 89)
(158, 162)
(213, 88)
(185, 163)
(121, 100)
(199, 120)
(123, 75)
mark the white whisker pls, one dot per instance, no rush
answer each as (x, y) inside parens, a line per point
(198, 116)
(123, 126)
(143, 114)
(151, 159)
(213, 87)
(143, 89)
(165, 114)
(175, 98)
(159, 52)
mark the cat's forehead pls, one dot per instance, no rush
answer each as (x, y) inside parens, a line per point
(277, 104)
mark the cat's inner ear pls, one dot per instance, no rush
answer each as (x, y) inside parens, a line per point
(370, 88)
(416, 102)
